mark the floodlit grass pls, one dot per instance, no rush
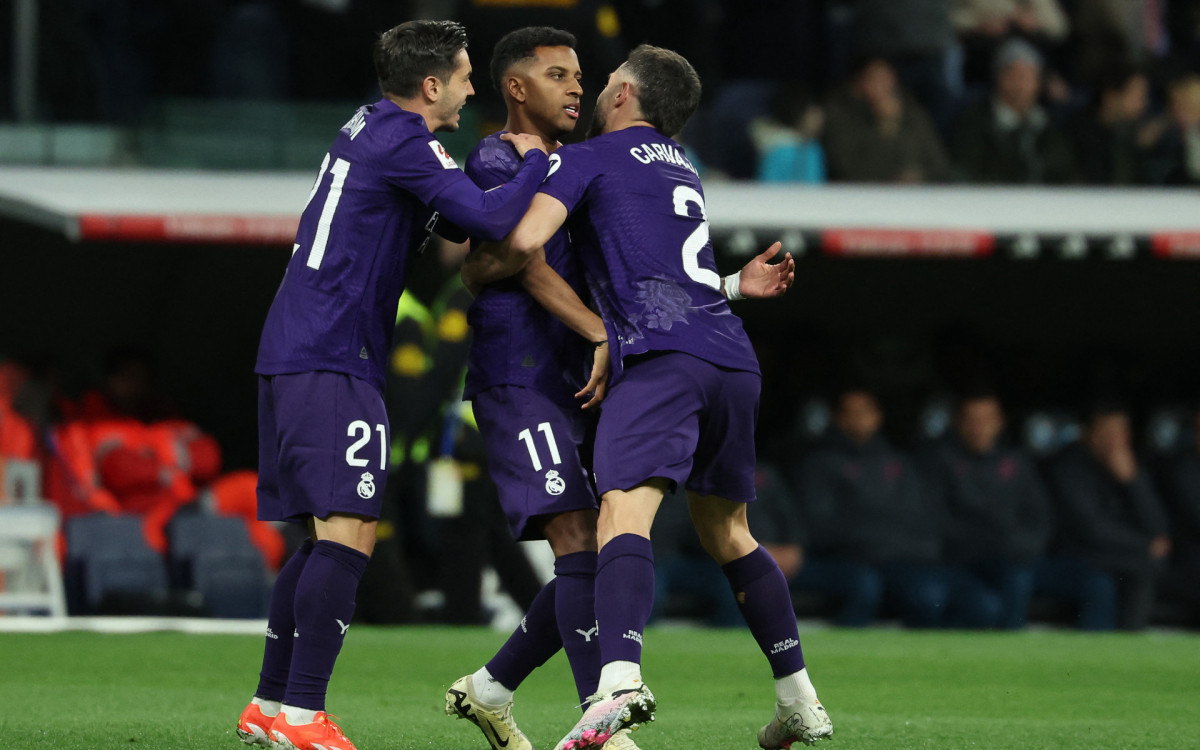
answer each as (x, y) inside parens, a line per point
(883, 688)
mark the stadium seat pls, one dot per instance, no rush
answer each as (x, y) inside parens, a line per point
(213, 556)
(30, 579)
(1045, 433)
(107, 556)
(935, 419)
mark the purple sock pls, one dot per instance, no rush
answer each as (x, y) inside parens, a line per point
(281, 621)
(624, 596)
(575, 610)
(762, 595)
(531, 645)
(324, 607)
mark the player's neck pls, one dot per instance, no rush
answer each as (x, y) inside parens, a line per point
(625, 125)
(518, 122)
(416, 105)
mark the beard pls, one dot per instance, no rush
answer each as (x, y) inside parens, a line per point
(599, 120)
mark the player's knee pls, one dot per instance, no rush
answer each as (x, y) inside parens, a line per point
(350, 531)
(574, 531)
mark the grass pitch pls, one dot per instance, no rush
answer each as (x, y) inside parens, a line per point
(883, 688)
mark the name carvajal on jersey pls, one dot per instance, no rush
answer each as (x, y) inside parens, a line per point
(648, 153)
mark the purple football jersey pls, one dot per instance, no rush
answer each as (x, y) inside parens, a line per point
(638, 223)
(516, 341)
(375, 201)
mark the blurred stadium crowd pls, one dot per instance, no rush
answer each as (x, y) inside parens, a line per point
(986, 514)
(979, 519)
(882, 91)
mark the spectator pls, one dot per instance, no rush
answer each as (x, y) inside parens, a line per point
(875, 531)
(997, 511)
(1112, 533)
(1009, 137)
(983, 25)
(877, 133)
(918, 39)
(788, 139)
(1123, 32)
(1114, 139)
(1183, 496)
(1176, 158)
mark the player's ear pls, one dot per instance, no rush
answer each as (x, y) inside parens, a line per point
(624, 94)
(431, 87)
(512, 85)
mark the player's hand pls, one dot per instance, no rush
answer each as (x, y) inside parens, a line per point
(467, 274)
(597, 384)
(523, 142)
(761, 279)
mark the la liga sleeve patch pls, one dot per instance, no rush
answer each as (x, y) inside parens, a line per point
(442, 155)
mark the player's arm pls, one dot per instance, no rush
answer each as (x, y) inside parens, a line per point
(493, 261)
(492, 214)
(552, 292)
(760, 278)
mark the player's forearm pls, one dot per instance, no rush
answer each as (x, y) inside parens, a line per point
(491, 215)
(491, 261)
(553, 293)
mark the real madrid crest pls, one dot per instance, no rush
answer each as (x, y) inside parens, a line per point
(555, 484)
(366, 488)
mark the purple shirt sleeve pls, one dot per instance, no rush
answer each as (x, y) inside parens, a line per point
(572, 169)
(427, 171)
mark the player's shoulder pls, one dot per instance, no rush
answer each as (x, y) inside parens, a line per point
(493, 156)
(396, 133)
(577, 154)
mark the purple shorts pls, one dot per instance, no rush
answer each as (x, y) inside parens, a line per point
(534, 455)
(677, 416)
(323, 446)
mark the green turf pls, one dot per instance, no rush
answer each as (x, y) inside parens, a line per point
(883, 688)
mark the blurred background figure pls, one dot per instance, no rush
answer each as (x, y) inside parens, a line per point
(998, 516)
(1176, 158)
(875, 531)
(1182, 488)
(1010, 137)
(1115, 137)
(788, 138)
(984, 25)
(1112, 540)
(916, 36)
(878, 133)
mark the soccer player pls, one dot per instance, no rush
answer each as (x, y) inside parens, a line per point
(525, 375)
(323, 428)
(683, 396)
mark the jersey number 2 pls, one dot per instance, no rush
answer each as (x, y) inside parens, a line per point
(339, 170)
(697, 240)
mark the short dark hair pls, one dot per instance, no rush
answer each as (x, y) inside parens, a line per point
(522, 44)
(668, 88)
(407, 54)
